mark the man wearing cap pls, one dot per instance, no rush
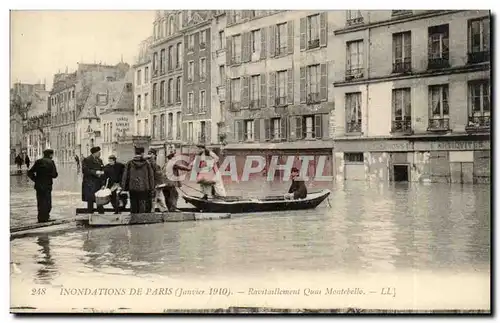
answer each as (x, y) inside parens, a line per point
(42, 173)
(171, 171)
(138, 180)
(113, 173)
(159, 198)
(93, 179)
(298, 189)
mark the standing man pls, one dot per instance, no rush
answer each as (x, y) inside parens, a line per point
(77, 160)
(159, 198)
(138, 179)
(27, 161)
(113, 172)
(171, 170)
(42, 173)
(19, 162)
(92, 168)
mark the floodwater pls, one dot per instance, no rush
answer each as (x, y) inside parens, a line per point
(391, 229)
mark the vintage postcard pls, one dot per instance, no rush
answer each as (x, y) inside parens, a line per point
(250, 161)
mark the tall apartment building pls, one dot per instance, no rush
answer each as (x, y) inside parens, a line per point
(142, 89)
(197, 107)
(37, 126)
(412, 95)
(167, 81)
(279, 84)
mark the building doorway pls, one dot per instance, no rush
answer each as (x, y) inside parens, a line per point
(401, 173)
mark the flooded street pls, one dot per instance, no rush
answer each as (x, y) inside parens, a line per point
(392, 229)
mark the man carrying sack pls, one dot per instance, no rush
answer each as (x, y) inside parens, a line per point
(113, 173)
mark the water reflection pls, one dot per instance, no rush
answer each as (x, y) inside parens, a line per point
(48, 269)
(370, 227)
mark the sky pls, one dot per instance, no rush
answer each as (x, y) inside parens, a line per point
(46, 42)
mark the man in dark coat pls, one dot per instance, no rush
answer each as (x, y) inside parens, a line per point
(113, 172)
(138, 179)
(159, 199)
(19, 162)
(27, 161)
(171, 171)
(42, 173)
(298, 189)
(92, 169)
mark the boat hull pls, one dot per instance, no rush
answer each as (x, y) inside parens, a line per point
(269, 204)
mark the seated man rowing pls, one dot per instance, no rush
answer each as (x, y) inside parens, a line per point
(298, 189)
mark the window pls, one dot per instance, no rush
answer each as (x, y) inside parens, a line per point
(439, 109)
(401, 52)
(354, 59)
(275, 133)
(401, 12)
(146, 127)
(203, 131)
(139, 79)
(313, 31)
(162, 61)
(171, 23)
(313, 83)
(203, 69)
(155, 94)
(178, 123)
(162, 126)
(222, 75)
(190, 132)
(479, 40)
(190, 71)
(191, 42)
(146, 74)
(162, 93)
(235, 92)
(170, 58)
(353, 112)
(155, 63)
(438, 46)
(281, 38)
(354, 17)
(203, 102)
(178, 57)
(255, 91)
(401, 106)
(203, 39)
(170, 125)
(138, 130)
(154, 126)
(281, 79)
(255, 43)
(353, 158)
(236, 50)
(190, 102)
(170, 91)
(479, 103)
(178, 89)
(138, 103)
(146, 95)
(222, 39)
(248, 130)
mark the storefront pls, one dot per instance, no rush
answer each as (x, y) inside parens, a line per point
(446, 159)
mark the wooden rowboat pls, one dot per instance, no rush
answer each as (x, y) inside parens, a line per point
(233, 204)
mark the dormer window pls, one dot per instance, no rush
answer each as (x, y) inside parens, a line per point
(102, 99)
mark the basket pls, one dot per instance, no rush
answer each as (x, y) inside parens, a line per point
(103, 196)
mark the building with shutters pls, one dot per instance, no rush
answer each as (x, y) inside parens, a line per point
(167, 81)
(142, 89)
(36, 128)
(197, 107)
(279, 84)
(412, 96)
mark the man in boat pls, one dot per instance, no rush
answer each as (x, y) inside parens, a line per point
(42, 173)
(172, 182)
(138, 179)
(159, 198)
(113, 173)
(298, 189)
(93, 179)
(209, 176)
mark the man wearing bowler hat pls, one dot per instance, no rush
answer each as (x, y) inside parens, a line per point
(93, 179)
(139, 180)
(42, 173)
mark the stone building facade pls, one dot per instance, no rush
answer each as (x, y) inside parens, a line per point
(279, 84)
(167, 81)
(142, 89)
(412, 94)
